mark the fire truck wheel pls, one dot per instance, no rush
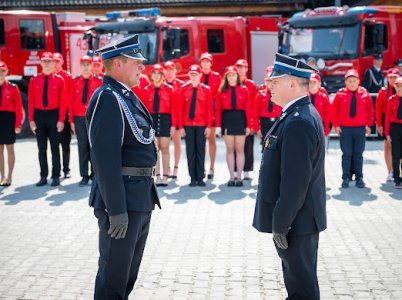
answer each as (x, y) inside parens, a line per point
(25, 129)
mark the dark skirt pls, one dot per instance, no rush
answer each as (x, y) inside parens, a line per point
(234, 122)
(7, 127)
(162, 124)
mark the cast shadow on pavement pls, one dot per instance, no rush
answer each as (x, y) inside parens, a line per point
(183, 193)
(227, 194)
(393, 192)
(69, 192)
(354, 195)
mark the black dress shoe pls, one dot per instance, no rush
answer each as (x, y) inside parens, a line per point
(67, 175)
(55, 181)
(84, 181)
(201, 183)
(193, 183)
(239, 183)
(231, 182)
(41, 182)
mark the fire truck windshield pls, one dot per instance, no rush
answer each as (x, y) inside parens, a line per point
(327, 43)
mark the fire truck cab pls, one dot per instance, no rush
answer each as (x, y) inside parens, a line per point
(341, 38)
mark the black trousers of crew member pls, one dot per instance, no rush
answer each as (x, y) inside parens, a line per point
(353, 142)
(65, 141)
(249, 153)
(119, 260)
(396, 137)
(195, 150)
(83, 145)
(46, 122)
(299, 265)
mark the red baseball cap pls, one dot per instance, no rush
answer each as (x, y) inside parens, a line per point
(57, 56)
(393, 72)
(231, 69)
(206, 55)
(46, 56)
(3, 65)
(315, 76)
(169, 65)
(158, 68)
(398, 80)
(85, 58)
(351, 72)
(242, 62)
(268, 72)
(194, 69)
(96, 60)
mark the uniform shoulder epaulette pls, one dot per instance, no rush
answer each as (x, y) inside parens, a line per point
(148, 86)
(186, 83)
(97, 77)
(12, 84)
(179, 81)
(243, 87)
(58, 76)
(250, 80)
(215, 73)
(168, 85)
(76, 77)
(342, 90)
(262, 92)
(205, 86)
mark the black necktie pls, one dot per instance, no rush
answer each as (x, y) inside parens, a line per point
(192, 105)
(44, 98)
(156, 101)
(270, 104)
(312, 97)
(400, 109)
(206, 78)
(85, 92)
(233, 97)
(393, 91)
(352, 111)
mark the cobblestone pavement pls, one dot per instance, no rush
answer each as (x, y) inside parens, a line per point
(201, 244)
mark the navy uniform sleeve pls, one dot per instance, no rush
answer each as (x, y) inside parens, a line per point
(297, 153)
(106, 134)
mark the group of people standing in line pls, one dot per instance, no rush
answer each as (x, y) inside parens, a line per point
(199, 110)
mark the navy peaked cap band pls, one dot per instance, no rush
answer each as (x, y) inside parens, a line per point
(128, 47)
(285, 65)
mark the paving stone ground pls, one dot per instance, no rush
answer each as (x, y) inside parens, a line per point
(201, 244)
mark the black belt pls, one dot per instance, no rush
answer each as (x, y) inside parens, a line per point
(133, 171)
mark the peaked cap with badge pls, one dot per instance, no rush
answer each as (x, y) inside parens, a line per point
(128, 47)
(286, 65)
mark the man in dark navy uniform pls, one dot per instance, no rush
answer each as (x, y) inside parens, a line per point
(373, 77)
(291, 193)
(123, 155)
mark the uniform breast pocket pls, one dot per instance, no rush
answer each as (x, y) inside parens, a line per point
(138, 193)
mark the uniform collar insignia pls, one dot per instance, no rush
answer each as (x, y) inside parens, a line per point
(296, 114)
(125, 92)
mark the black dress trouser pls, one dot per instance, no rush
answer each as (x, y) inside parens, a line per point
(299, 265)
(195, 150)
(396, 137)
(83, 145)
(249, 153)
(120, 260)
(46, 122)
(65, 141)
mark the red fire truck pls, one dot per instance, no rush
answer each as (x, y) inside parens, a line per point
(341, 38)
(25, 35)
(183, 39)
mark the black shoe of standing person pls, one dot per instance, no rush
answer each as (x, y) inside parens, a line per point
(41, 182)
(193, 183)
(345, 183)
(67, 174)
(231, 182)
(201, 183)
(360, 183)
(84, 181)
(55, 181)
(239, 182)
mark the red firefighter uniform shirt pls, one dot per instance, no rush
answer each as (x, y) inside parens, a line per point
(214, 81)
(321, 102)
(262, 109)
(11, 101)
(166, 100)
(381, 103)
(252, 89)
(68, 79)
(144, 82)
(55, 92)
(176, 86)
(203, 115)
(391, 114)
(340, 109)
(224, 102)
(77, 107)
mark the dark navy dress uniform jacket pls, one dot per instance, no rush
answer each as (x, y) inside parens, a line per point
(291, 197)
(114, 145)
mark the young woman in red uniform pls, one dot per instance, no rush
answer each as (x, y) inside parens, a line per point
(213, 80)
(319, 98)
(265, 111)
(83, 87)
(97, 66)
(233, 116)
(380, 108)
(159, 100)
(10, 123)
(393, 130)
(195, 122)
(169, 71)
